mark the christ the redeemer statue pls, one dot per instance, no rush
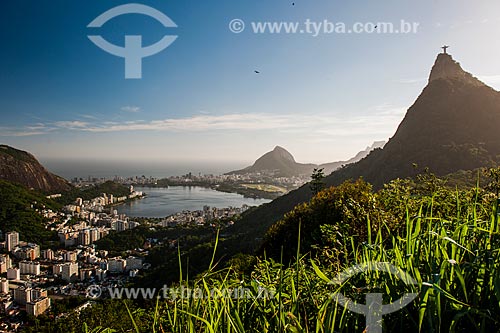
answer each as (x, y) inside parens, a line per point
(445, 48)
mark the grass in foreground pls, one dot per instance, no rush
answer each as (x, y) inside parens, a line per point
(448, 241)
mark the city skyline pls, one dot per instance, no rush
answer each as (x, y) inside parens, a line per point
(221, 97)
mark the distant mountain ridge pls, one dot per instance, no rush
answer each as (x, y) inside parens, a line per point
(453, 125)
(278, 162)
(331, 167)
(21, 167)
(281, 163)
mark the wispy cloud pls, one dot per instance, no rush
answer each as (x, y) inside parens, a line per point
(22, 132)
(457, 24)
(131, 109)
(88, 116)
(413, 80)
(75, 124)
(248, 121)
(379, 120)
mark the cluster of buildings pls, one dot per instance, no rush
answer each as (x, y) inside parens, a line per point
(210, 180)
(85, 208)
(82, 266)
(13, 293)
(96, 219)
(202, 217)
(90, 231)
(35, 300)
(289, 183)
(137, 180)
(27, 267)
(31, 274)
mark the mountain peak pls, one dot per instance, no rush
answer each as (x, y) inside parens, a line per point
(446, 68)
(283, 153)
(21, 167)
(453, 125)
(278, 162)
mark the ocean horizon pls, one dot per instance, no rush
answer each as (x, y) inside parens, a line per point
(70, 169)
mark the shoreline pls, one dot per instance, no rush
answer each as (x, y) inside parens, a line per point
(224, 188)
(185, 197)
(143, 196)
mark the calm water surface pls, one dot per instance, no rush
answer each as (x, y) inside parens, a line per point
(162, 202)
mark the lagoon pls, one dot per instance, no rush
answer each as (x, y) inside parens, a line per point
(162, 202)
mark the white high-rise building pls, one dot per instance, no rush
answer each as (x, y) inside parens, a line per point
(11, 240)
(70, 256)
(84, 237)
(95, 235)
(57, 269)
(70, 271)
(117, 265)
(38, 306)
(121, 226)
(36, 300)
(29, 267)
(5, 263)
(14, 274)
(48, 254)
(134, 263)
(22, 295)
(4, 286)
(38, 293)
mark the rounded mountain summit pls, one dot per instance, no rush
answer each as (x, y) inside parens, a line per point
(279, 163)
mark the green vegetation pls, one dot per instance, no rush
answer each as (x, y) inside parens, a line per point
(447, 240)
(193, 243)
(101, 313)
(259, 191)
(262, 192)
(265, 188)
(18, 213)
(135, 238)
(117, 242)
(317, 183)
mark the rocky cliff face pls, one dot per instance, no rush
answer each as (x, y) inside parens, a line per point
(453, 125)
(446, 68)
(23, 168)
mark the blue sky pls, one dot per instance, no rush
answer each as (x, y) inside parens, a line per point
(323, 98)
